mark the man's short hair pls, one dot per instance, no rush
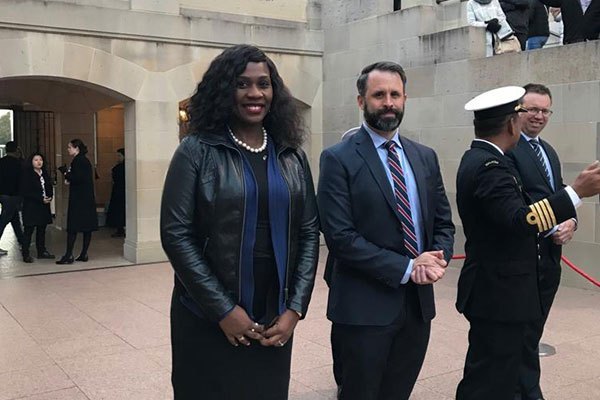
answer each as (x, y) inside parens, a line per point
(537, 88)
(11, 147)
(486, 128)
(389, 66)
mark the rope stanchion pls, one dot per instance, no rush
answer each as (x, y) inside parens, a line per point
(564, 259)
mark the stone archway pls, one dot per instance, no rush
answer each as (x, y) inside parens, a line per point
(147, 105)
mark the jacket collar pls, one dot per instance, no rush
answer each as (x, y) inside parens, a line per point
(489, 146)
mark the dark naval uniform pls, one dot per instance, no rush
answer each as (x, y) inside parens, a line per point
(498, 285)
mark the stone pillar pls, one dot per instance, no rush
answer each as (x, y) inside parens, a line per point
(151, 136)
(159, 6)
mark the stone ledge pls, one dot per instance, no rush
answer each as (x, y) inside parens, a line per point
(72, 19)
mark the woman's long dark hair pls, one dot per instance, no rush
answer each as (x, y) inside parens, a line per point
(211, 107)
(80, 145)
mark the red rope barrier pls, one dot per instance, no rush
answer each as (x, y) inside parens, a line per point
(564, 259)
(580, 271)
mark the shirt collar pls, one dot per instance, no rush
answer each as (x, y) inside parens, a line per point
(380, 141)
(490, 143)
(529, 138)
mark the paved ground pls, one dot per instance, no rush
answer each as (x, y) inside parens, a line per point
(103, 334)
(104, 251)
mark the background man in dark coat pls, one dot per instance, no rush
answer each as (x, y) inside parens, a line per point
(389, 231)
(579, 25)
(115, 216)
(10, 176)
(498, 284)
(538, 166)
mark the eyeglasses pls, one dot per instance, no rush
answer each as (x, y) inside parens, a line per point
(534, 111)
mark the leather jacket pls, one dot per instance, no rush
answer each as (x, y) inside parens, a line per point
(202, 217)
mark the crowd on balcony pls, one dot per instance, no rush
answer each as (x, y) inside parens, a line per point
(518, 25)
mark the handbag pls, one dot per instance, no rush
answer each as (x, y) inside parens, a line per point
(509, 44)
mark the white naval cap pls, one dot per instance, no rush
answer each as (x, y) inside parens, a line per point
(496, 102)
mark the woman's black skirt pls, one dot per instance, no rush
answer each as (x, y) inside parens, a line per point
(206, 366)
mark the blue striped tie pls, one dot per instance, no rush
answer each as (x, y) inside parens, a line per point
(538, 152)
(402, 201)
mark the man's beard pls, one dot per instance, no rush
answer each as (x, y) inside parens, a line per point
(387, 124)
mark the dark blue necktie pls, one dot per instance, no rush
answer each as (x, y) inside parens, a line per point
(402, 201)
(538, 152)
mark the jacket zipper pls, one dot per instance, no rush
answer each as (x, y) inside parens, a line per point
(287, 261)
(239, 277)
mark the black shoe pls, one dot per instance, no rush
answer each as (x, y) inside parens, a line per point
(82, 257)
(65, 260)
(45, 255)
(27, 259)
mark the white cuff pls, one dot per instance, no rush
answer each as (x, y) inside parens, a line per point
(574, 197)
(409, 269)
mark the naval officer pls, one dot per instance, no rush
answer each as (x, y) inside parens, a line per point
(498, 285)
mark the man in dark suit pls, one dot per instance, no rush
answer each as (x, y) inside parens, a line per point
(581, 19)
(10, 176)
(498, 285)
(387, 224)
(538, 168)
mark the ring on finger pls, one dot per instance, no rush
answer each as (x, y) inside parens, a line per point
(280, 343)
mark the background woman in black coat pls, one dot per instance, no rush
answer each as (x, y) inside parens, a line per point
(81, 213)
(36, 190)
(115, 217)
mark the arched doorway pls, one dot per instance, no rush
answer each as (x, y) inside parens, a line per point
(48, 112)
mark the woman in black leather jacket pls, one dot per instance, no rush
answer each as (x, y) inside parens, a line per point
(239, 225)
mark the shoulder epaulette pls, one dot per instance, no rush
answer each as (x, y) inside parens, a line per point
(542, 215)
(491, 163)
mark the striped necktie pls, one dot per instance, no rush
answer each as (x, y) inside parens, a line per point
(402, 201)
(538, 152)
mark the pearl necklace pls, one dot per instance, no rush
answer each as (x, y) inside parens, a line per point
(247, 146)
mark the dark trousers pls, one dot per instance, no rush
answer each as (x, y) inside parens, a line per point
(529, 371)
(10, 214)
(40, 239)
(492, 365)
(206, 366)
(381, 362)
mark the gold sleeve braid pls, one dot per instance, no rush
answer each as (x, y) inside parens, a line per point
(542, 215)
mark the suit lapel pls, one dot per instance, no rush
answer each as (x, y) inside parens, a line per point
(534, 158)
(366, 149)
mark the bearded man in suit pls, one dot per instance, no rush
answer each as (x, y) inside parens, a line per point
(388, 227)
